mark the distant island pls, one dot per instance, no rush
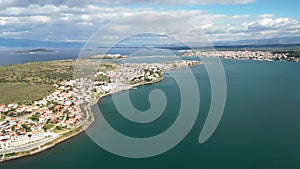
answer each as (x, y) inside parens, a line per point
(35, 51)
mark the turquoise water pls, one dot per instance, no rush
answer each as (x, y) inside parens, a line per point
(259, 128)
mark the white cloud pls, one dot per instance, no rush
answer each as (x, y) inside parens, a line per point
(63, 22)
(268, 23)
(14, 33)
(2, 21)
(266, 16)
(41, 18)
(26, 3)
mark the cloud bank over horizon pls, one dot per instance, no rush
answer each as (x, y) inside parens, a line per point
(72, 21)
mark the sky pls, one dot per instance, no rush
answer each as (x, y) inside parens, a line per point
(218, 20)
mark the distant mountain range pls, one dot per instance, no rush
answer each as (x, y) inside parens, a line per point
(286, 41)
(270, 41)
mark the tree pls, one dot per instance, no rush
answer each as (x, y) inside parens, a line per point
(26, 127)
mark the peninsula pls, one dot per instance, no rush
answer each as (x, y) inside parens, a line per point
(30, 124)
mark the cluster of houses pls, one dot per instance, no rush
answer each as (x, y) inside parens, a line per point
(14, 133)
(14, 109)
(63, 107)
(133, 73)
(249, 55)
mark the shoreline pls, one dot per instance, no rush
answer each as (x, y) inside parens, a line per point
(61, 138)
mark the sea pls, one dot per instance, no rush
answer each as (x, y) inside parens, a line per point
(9, 56)
(259, 128)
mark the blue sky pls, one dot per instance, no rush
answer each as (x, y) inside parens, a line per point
(220, 20)
(277, 7)
(286, 8)
(280, 8)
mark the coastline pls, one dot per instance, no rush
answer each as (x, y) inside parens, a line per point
(77, 130)
(81, 127)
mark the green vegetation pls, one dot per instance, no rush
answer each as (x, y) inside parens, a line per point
(102, 78)
(107, 66)
(76, 130)
(23, 92)
(35, 117)
(25, 83)
(58, 128)
(10, 154)
(148, 80)
(2, 117)
(47, 126)
(37, 72)
(89, 69)
(63, 136)
(26, 127)
(291, 53)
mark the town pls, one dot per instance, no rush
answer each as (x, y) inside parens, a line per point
(242, 55)
(66, 108)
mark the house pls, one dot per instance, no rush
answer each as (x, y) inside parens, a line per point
(68, 102)
(42, 119)
(8, 129)
(54, 119)
(69, 123)
(12, 106)
(5, 141)
(3, 108)
(36, 133)
(17, 127)
(56, 108)
(22, 132)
